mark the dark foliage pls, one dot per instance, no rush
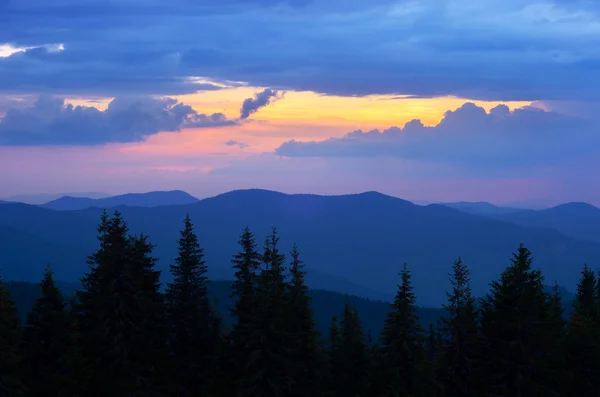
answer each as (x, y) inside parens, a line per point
(49, 344)
(120, 336)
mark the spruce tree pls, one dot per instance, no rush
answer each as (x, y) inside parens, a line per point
(350, 358)
(461, 339)
(305, 355)
(149, 347)
(402, 345)
(268, 368)
(49, 344)
(11, 383)
(555, 367)
(191, 318)
(245, 309)
(246, 264)
(121, 315)
(583, 344)
(514, 326)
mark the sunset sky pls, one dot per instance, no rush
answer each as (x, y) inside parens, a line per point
(437, 100)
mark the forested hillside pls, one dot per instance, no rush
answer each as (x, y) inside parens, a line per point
(324, 304)
(151, 341)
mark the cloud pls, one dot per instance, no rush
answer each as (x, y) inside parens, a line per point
(239, 144)
(509, 50)
(49, 121)
(261, 99)
(468, 136)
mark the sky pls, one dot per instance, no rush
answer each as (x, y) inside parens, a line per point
(428, 100)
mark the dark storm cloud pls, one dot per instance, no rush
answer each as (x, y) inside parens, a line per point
(50, 122)
(468, 136)
(511, 50)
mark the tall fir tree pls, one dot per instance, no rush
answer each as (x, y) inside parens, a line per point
(515, 330)
(350, 358)
(246, 264)
(305, 358)
(149, 349)
(583, 343)
(48, 344)
(11, 384)
(120, 312)
(404, 367)
(268, 368)
(192, 322)
(462, 342)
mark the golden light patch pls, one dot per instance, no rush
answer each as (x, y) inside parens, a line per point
(375, 111)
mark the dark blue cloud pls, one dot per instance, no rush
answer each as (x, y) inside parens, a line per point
(512, 50)
(261, 99)
(50, 122)
(468, 136)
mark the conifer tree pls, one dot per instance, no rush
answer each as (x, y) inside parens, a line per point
(514, 326)
(555, 370)
(305, 355)
(245, 309)
(191, 318)
(149, 348)
(11, 383)
(350, 359)
(402, 346)
(48, 343)
(461, 339)
(246, 264)
(268, 368)
(121, 315)
(583, 345)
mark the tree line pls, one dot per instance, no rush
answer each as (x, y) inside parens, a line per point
(121, 336)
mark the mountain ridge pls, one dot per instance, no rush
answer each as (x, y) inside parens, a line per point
(363, 238)
(149, 199)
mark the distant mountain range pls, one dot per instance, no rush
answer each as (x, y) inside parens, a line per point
(37, 199)
(480, 208)
(151, 199)
(353, 244)
(577, 220)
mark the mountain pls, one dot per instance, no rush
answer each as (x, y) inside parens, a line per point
(360, 238)
(37, 199)
(577, 220)
(151, 199)
(480, 208)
